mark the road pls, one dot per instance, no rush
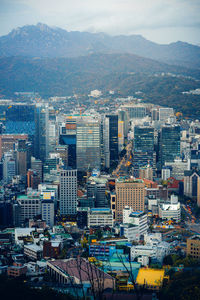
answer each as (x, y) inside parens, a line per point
(123, 166)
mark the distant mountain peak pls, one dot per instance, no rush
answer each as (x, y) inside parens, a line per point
(42, 40)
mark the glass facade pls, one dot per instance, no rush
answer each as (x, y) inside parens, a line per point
(169, 143)
(88, 145)
(143, 138)
(41, 141)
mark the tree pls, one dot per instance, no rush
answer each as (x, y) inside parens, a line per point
(183, 286)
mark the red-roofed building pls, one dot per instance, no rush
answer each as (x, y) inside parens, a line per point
(149, 183)
(80, 271)
(173, 184)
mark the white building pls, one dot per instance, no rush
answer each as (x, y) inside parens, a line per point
(134, 224)
(48, 212)
(33, 251)
(154, 248)
(68, 192)
(153, 238)
(100, 217)
(130, 231)
(152, 202)
(166, 172)
(165, 113)
(136, 218)
(30, 205)
(22, 232)
(170, 210)
(178, 166)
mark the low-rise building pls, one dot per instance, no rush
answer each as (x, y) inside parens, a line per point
(51, 249)
(16, 270)
(154, 248)
(170, 210)
(33, 251)
(80, 271)
(134, 224)
(100, 217)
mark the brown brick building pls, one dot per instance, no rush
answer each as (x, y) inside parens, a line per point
(129, 192)
(193, 246)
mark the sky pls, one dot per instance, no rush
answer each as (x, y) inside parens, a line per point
(161, 21)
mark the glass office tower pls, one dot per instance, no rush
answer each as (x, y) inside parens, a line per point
(88, 144)
(111, 139)
(169, 144)
(41, 141)
(143, 138)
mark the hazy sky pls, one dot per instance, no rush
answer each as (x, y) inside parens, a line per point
(162, 21)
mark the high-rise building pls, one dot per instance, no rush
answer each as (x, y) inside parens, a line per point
(68, 191)
(193, 246)
(8, 141)
(67, 137)
(6, 216)
(48, 212)
(192, 185)
(123, 117)
(33, 179)
(63, 152)
(129, 192)
(146, 172)
(36, 165)
(120, 136)
(88, 144)
(30, 205)
(18, 118)
(41, 142)
(21, 155)
(53, 136)
(135, 111)
(111, 139)
(165, 113)
(194, 158)
(143, 138)
(97, 190)
(169, 144)
(9, 167)
(142, 159)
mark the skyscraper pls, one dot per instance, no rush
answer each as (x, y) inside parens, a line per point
(67, 136)
(21, 154)
(9, 167)
(68, 191)
(97, 190)
(169, 144)
(111, 139)
(48, 212)
(143, 149)
(41, 141)
(88, 144)
(143, 138)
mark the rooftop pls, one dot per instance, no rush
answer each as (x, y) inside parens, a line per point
(153, 277)
(71, 267)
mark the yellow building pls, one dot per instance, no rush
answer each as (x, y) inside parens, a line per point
(193, 246)
(151, 278)
(129, 192)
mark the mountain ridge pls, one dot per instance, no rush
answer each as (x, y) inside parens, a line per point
(43, 41)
